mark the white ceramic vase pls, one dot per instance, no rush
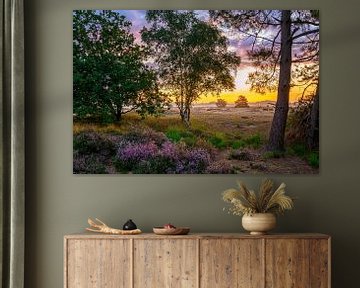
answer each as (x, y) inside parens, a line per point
(259, 223)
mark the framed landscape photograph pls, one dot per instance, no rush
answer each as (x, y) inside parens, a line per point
(196, 91)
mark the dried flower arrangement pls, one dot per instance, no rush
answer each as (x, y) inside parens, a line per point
(267, 200)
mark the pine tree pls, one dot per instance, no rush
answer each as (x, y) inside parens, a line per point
(241, 102)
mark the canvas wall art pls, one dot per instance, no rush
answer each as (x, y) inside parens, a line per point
(196, 91)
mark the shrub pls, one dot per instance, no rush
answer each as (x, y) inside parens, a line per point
(165, 158)
(189, 140)
(203, 143)
(313, 159)
(221, 103)
(254, 141)
(88, 164)
(162, 162)
(298, 150)
(176, 135)
(139, 151)
(220, 167)
(243, 155)
(299, 122)
(173, 135)
(218, 140)
(199, 132)
(193, 162)
(155, 165)
(144, 135)
(130, 155)
(236, 144)
(259, 166)
(273, 154)
(241, 102)
(88, 143)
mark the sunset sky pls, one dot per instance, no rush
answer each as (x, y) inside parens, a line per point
(240, 46)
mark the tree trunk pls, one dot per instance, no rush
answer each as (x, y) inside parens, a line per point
(188, 114)
(185, 117)
(118, 115)
(313, 133)
(277, 131)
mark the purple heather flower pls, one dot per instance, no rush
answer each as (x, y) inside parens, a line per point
(137, 151)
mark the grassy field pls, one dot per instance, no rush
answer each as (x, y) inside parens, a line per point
(219, 141)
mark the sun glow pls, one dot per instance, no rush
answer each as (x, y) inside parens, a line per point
(243, 88)
(232, 96)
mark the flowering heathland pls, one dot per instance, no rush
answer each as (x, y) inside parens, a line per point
(139, 151)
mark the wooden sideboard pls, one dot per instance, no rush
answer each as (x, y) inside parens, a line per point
(197, 260)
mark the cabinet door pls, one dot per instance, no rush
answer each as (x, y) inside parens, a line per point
(287, 263)
(231, 263)
(98, 263)
(165, 263)
(320, 263)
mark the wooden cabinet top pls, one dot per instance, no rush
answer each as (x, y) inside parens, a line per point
(199, 236)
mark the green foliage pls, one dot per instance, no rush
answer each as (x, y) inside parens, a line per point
(273, 154)
(109, 75)
(221, 140)
(190, 140)
(254, 141)
(300, 149)
(191, 56)
(218, 140)
(313, 159)
(236, 144)
(173, 135)
(179, 134)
